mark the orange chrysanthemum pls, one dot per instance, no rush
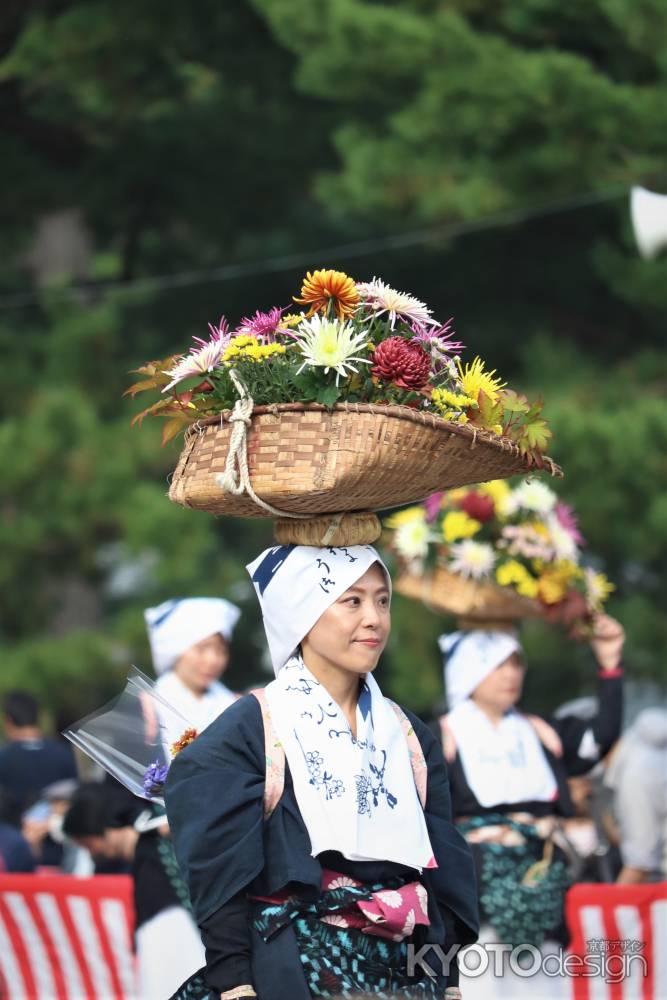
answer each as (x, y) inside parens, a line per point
(183, 741)
(322, 287)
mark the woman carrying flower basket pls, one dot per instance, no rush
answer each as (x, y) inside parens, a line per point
(312, 820)
(509, 778)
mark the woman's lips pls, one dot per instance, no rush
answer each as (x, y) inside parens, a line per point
(368, 642)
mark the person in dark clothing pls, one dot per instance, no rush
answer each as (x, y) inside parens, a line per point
(312, 820)
(30, 761)
(121, 830)
(15, 853)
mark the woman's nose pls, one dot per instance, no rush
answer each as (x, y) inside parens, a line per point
(371, 616)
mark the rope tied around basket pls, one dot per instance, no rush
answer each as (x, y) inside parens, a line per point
(236, 477)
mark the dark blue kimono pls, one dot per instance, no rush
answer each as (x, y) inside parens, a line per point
(226, 850)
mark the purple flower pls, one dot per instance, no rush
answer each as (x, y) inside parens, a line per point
(438, 341)
(266, 326)
(155, 776)
(202, 359)
(432, 506)
(568, 520)
(219, 332)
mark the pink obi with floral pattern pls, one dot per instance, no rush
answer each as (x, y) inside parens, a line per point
(386, 913)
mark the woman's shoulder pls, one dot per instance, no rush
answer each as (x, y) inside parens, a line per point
(422, 730)
(237, 734)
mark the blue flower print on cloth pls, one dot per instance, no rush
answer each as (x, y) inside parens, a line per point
(356, 793)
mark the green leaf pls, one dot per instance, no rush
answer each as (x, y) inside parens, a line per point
(330, 395)
(514, 402)
(534, 436)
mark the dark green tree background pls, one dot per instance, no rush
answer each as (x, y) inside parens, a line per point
(196, 137)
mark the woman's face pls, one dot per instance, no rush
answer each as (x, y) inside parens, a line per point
(352, 633)
(502, 689)
(203, 663)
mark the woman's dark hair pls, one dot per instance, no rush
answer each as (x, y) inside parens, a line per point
(21, 708)
(99, 805)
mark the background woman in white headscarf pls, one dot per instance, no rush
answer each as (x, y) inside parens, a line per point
(312, 822)
(190, 644)
(509, 772)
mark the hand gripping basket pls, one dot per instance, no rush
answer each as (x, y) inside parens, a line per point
(306, 460)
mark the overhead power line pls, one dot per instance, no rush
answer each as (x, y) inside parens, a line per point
(321, 256)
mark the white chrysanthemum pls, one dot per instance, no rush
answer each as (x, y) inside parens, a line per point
(533, 495)
(472, 559)
(412, 538)
(561, 539)
(382, 298)
(199, 361)
(330, 344)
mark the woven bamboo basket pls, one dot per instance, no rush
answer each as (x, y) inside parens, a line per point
(306, 459)
(473, 602)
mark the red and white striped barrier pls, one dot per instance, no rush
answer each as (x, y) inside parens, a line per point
(620, 930)
(65, 938)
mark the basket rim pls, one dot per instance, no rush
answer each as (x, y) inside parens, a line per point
(523, 606)
(397, 411)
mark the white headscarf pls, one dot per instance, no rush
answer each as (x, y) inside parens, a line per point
(174, 626)
(503, 763)
(470, 657)
(356, 795)
(295, 584)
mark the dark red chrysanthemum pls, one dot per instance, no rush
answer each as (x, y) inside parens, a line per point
(403, 362)
(477, 506)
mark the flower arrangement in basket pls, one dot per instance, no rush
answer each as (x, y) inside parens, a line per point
(359, 401)
(494, 553)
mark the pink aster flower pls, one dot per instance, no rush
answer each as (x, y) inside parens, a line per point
(201, 359)
(568, 520)
(438, 342)
(523, 540)
(379, 298)
(432, 506)
(266, 326)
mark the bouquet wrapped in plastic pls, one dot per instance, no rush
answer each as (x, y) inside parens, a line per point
(131, 737)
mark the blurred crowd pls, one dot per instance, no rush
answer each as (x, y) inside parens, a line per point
(51, 820)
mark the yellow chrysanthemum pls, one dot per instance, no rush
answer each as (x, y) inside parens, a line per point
(323, 287)
(407, 516)
(500, 493)
(474, 379)
(555, 581)
(457, 525)
(292, 319)
(514, 574)
(444, 400)
(598, 588)
(245, 346)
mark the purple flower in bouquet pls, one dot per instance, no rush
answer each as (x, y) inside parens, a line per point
(266, 326)
(568, 520)
(432, 506)
(438, 342)
(202, 359)
(155, 776)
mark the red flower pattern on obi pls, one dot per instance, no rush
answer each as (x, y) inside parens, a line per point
(389, 913)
